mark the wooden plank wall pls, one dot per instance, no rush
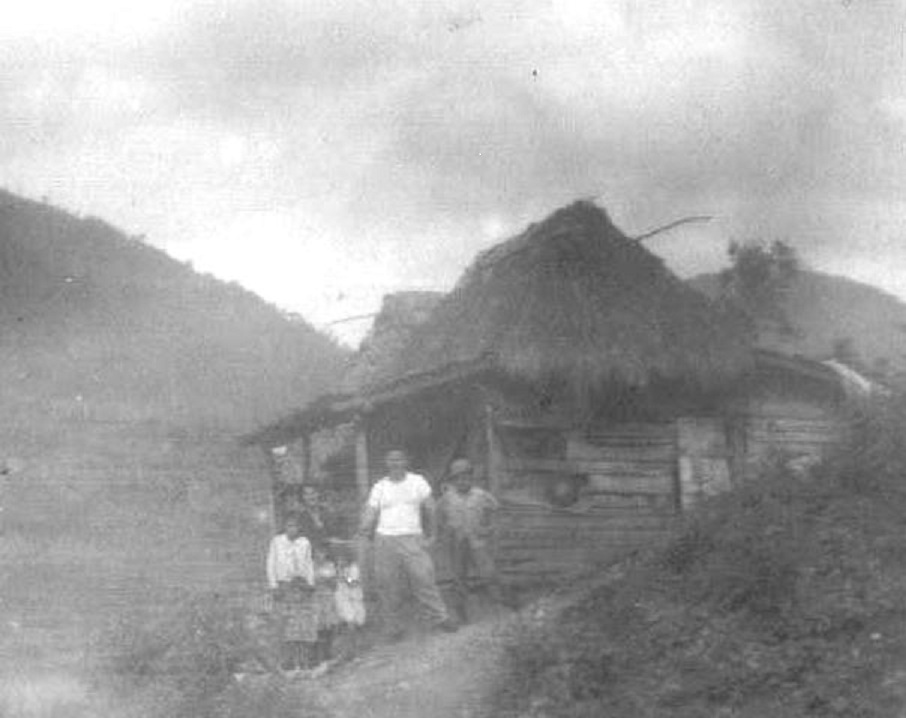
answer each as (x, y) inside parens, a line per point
(536, 543)
(628, 499)
(775, 426)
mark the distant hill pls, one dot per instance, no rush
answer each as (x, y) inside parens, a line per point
(89, 315)
(825, 310)
(126, 379)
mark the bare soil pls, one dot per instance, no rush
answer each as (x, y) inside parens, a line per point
(437, 674)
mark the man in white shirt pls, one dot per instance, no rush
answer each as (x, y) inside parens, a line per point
(396, 508)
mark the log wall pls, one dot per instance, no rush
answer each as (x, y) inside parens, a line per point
(625, 483)
(781, 427)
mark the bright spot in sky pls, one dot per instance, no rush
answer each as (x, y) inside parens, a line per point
(123, 19)
(232, 150)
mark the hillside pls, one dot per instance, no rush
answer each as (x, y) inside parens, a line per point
(825, 309)
(126, 379)
(783, 598)
(88, 314)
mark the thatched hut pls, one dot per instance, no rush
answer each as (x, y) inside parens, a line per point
(573, 303)
(596, 393)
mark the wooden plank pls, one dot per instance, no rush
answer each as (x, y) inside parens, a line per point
(542, 550)
(527, 540)
(551, 566)
(527, 513)
(495, 457)
(308, 459)
(793, 438)
(787, 424)
(636, 504)
(607, 478)
(823, 420)
(587, 553)
(643, 464)
(663, 428)
(654, 483)
(568, 534)
(361, 460)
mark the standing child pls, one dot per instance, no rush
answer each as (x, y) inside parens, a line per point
(466, 515)
(349, 596)
(325, 607)
(291, 578)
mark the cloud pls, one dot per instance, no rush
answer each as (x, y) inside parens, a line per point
(406, 136)
(683, 114)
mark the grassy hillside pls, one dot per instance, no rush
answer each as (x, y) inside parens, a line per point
(90, 315)
(782, 599)
(825, 309)
(125, 380)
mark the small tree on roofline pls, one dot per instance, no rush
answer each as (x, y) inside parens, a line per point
(758, 281)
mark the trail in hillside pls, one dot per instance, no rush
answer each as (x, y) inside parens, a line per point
(438, 675)
(430, 674)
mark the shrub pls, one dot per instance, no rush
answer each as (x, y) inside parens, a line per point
(785, 597)
(183, 664)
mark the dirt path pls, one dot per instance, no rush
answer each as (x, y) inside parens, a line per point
(438, 675)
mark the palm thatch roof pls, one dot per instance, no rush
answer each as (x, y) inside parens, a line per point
(401, 313)
(570, 302)
(573, 300)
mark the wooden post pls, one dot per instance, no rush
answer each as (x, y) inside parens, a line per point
(361, 459)
(307, 460)
(494, 457)
(271, 463)
(363, 550)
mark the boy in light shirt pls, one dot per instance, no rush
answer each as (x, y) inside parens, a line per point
(466, 519)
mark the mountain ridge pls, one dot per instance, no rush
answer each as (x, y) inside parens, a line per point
(103, 316)
(828, 311)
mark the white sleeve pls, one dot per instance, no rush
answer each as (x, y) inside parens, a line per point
(272, 564)
(308, 565)
(374, 496)
(422, 489)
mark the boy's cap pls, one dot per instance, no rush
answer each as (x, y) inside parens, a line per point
(460, 466)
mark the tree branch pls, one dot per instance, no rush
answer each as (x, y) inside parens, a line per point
(677, 223)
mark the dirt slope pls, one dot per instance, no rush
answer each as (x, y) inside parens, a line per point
(439, 675)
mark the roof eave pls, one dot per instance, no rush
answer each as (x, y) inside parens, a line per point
(328, 411)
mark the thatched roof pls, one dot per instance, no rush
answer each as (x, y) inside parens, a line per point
(401, 313)
(573, 300)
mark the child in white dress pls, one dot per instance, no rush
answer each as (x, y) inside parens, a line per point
(350, 599)
(291, 578)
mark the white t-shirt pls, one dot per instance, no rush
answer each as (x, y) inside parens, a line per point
(398, 504)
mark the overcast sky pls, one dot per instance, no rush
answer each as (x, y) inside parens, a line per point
(325, 152)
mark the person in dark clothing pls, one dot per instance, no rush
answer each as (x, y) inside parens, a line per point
(317, 522)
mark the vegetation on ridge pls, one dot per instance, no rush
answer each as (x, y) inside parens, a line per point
(784, 598)
(126, 379)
